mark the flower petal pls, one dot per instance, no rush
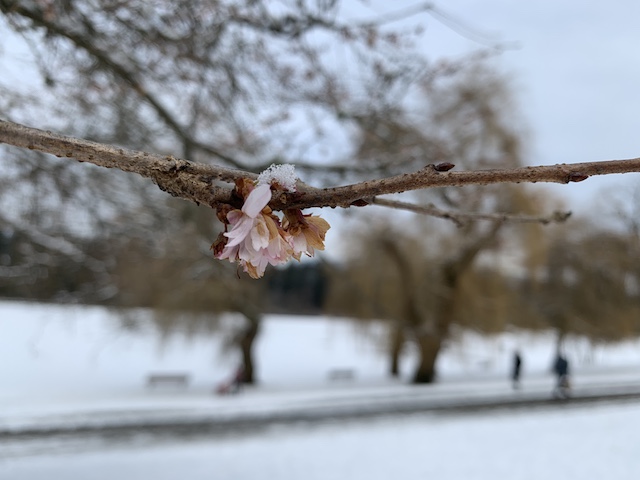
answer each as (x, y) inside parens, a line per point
(257, 200)
(259, 233)
(299, 243)
(239, 231)
(229, 252)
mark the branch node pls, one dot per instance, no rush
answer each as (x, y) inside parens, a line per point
(443, 167)
(560, 217)
(577, 177)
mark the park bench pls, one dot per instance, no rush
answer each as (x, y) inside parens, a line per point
(338, 374)
(167, 379)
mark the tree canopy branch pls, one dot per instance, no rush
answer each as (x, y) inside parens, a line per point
(103, 58)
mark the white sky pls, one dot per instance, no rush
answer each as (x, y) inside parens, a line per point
(576, 70)
(577, 74)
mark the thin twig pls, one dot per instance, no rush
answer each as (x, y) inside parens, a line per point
(460, 217)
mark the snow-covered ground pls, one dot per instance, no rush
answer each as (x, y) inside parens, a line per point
(592, 443)
(75, 366)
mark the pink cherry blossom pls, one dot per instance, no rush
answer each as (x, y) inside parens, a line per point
(243, 221)
(256, 238)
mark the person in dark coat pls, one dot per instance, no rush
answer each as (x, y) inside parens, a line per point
(561, 369)
(517, 366)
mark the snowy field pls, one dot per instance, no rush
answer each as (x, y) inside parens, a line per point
(578, 444)
(74, 366)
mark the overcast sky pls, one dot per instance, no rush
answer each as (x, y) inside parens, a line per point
(576, 71)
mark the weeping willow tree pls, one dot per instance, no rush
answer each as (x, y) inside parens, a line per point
(585, 284)
(467, 114)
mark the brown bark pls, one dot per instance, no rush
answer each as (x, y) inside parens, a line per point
(429, 343)
(410, 310)
(429, 347)
(397, 344)
(246, 343)
(193, 181)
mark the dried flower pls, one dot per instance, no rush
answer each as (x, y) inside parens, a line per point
(255, 237)
(306, 232)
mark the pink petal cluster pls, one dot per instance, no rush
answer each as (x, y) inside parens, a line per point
(256, 237)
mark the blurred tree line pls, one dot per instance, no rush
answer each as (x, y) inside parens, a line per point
(143, 280)
(580, 279)
(245, 83)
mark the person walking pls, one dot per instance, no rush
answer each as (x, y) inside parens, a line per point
(561, 368)
(517, 366)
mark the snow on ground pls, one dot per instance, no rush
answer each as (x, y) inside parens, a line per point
(78, 349)
(77, 360)
(75, 366)
(554, 445)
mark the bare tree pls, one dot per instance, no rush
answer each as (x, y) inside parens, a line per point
(466, 115)
(232, 86)
(237, 84)
(586, 286)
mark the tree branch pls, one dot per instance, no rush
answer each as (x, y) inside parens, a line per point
(460, 217)
(195, 182)
(104, 59)
(431, 176)
(180, 178)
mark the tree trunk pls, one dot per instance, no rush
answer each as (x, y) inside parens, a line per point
(246, 341)
(428, 347)
(395, 348)
(444, 311)
(560, 336)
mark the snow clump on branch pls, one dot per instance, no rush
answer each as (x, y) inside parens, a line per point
(255, 237)
(279, 176)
